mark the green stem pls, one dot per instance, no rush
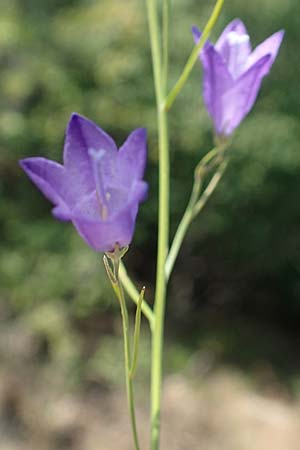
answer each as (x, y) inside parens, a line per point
(182, 229)
(194, 55)
(160, 82)
(163, 228)
(155, 47)
(210, 188)
(136, 336)
(195, 204)
(134, 294)
(165, 42)
(117, 286)
(129, 385)
(160, 294)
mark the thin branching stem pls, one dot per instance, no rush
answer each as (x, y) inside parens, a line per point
(194, 56)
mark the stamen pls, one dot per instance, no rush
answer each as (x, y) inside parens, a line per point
(102, 196)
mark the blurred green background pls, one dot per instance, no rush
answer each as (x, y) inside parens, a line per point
(235, 291)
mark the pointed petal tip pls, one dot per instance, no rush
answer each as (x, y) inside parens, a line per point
(142, 133)
(139, 135)
(33, 163)
(27, 163)
(275, 41)
(22, 163)
(76, 117)
(79, 119)
(196, 32)
(236, 25)
(74, 114)
(236, 22)
(280, 34)
(61, 213)
(73, 122)
(197, 36)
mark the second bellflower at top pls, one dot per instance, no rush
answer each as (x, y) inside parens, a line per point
(98, 188)
(233, 74)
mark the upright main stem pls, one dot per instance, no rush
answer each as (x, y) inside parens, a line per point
(163, 227)
(160, 294)
(160, 70)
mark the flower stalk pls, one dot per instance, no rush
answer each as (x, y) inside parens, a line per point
(197, 200)
(136, 337)
(194, 56)
(113, 275)
(134, 294)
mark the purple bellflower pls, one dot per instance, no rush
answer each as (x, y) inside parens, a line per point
(98, 188)
(233, 74)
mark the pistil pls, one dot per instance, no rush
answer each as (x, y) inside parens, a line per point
(238, 54)
(102, 195)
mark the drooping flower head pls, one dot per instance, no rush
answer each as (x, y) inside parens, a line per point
(98, 188)
(233, 74)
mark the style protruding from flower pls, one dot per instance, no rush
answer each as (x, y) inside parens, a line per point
(98, 187)
(233, 74)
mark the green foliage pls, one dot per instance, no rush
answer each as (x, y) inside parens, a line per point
(93, 57)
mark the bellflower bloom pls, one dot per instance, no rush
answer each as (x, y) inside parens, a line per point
(233, 74)
(98, 188)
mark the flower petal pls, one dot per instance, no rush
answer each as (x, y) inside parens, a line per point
(132, 157)
(81, 135)
(236, 53)
(270, 46)
(216, 81)
(197, 35)
(102, 235)
(234, 47)
(235, 25)
(102, 220)
(238, 101)
(61, 213)
(50, 178)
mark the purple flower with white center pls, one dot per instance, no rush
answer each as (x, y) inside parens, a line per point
(98, 188)
(233, 74)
